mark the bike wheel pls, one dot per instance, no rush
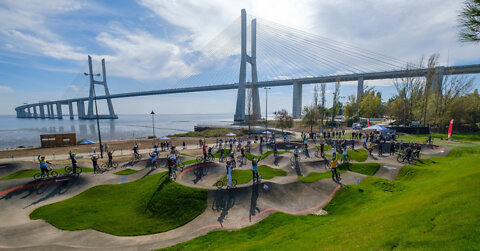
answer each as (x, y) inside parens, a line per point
(104, 166)
(68, 169)
(219, 184)
(139, 157)
(79, 170)
(114, 164)
(399, 158)
(54, 174)
(38, 176)
(181, 166)
(199, 159)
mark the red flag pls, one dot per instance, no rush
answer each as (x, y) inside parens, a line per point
(368, 122)
(450, 129)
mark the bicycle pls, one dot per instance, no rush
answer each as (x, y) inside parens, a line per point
(180, 165)
(294, 160)
(69, 170)
(210, 157)
(137, 156)
(108, 165)
(199, 158)
(222, 158)
(173, 175)
(223, 182)
(50, 173)
(241, 160)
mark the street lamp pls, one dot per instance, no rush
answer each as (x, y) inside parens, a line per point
(153, 124)
(96, 113)
(266, 114)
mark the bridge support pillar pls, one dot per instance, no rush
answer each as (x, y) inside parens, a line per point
(81, 109)
(48, 111)
(42, 111)
(29, 112)
(437, 80)
(35, 115)
(52, 112)
(359, 93)
(297, 100)
(59, 111)
(70, 109)
(92, 95)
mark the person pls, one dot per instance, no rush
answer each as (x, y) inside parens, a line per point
(106, 148)
(153, 157)
(155, 149)
(365, 141)
(184, 145)
(353, 144)
(255, 169)
(43, 165)
(370, 148)
(345, 154)
(392, 148)
(135, 150)
(333, 167)
(210, 155)
(334, 151)
(110, 158)
(305, 143)
(322, 147)
(242, 151)
(222, 153)
(408, 154)
(95, 163)
(172, 162)
(429, 139)
(229, 173)
(275, 150)
(295, 153)
(204, 153)
(74, 161)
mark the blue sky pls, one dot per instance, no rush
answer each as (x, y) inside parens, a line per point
(152, 44)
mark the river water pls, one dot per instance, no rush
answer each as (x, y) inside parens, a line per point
(16, 132)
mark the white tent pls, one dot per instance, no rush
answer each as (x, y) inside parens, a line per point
(231, 134)
(266, 132)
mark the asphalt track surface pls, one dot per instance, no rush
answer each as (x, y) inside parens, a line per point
(226, 209)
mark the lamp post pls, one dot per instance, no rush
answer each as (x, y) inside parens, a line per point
(96, 113)
(153, 125)
(266, 112)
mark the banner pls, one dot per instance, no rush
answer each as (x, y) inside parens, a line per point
(450, 129)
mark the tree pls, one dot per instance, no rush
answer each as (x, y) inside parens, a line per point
(351, 107)
(371, 104)
(336, 104)
(309, 117)
(284, 121)
(469, 19)
(322, 98)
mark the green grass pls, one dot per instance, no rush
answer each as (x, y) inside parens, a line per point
(436, 138)
(315, 176)
(325, 147)
(127, 171)
(30, 172)
(433, 205)
(245, 176)
(363, 168)
(153, 204)
(226, 152)
(192, 161)
(218, 132)
(359, 155)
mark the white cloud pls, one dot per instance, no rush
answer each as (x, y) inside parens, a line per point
(5, 89)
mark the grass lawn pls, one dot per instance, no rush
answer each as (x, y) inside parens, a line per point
(325, 147)
(127, 171)
(245, 176)
(436, 138)
(315, 176)
(153, 204)
(363, 168)
(226, 152)
(30, 172)
(433, 205)
(359, 155)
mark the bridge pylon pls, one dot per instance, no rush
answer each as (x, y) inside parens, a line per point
(92, 94)
(252, 60)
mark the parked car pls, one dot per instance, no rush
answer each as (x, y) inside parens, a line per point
(357, 126)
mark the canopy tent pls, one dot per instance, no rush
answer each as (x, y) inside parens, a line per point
(86, 142)
(164, 138)
(231, 134)
(379, 128)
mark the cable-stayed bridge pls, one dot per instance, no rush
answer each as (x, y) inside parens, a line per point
(278, 56)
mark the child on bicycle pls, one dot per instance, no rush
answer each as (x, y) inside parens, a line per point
(172, 162)
(43, 164)
(95, 163)
(345, 154)
(110, 158)
(153, 157)
(210, 155)
(74, 161)
(295, 153)
(230, 165)
(333, 167)
(255, 169)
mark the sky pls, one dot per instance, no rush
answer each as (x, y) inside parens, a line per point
(157, 44)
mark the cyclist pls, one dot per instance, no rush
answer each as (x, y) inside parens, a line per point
(222, 153)
(110, 158)
(417, 150)
(333, 167)
(210, 155)
(184, 145)
(43, 165)
(334, 151)
(242, 152)
(172, 162)
(153, 156)
(408, 154)
(345, 154)
(255, 169)
(135, 150)
(353, 144)
(275, 150)
(155, 149)
(204, 153)
(74, 161)
(295, 153)
(370, 148)
(95, 163)
(322, 147)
